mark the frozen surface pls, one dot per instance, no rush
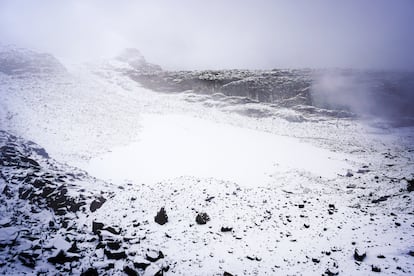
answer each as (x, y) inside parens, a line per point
(171, 146)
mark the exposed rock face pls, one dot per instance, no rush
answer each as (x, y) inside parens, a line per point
(20, 62)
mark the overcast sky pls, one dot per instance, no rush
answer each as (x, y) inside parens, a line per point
(192, 34)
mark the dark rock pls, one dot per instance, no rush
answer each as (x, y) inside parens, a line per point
(96, 227)
(315, 260)
(301, 206)
(410, 185)
(383, 198)
(74, 248)
(140, 265)
(411, 253)
(62, 258)
(154, 259)
(115, 255)
(381, 257)
(161, 217)
(359, 257)
(226, 229)
(7, 192)
(328, 272)
(375, 268)
(129, 271)
(112, 230)
(28, 259)
(97, 203)
(202, 218)
(227, 274)
(115, 245)
(90, 272)
(210, 198)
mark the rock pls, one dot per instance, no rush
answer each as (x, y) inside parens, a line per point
(74, 248)
(115, 245)
(97, 203)
(301, 206)
(90, 272)
(411, 253)
(359, 257)
(112, 230)
(227, 274)
(62, 258)
(129, 271)
(115, 255)
(328, 272)
(154, 259)
(349, 174)
(315, 260)
(141, 265)
(96, 227)
(226, 229)
(375, 268)
(383, 198)
(202, 218)
(410, 185)
(161, 218)
(28, 259)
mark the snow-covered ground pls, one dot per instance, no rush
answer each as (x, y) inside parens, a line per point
(297, 197)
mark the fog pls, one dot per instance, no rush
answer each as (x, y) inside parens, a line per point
(219, 34)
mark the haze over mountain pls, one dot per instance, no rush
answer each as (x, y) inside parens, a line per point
(217, 34)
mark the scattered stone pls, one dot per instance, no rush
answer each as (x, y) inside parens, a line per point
(115, 245)
(210, 198)
(96, 227)
(129, 271)
(202, 218)
(316, 261)
(154, 259)
(359, 257)
(301, 206)
(97, 203)
(62, 258)
(28, 259)
(141, 265)
(227, 274)
(226, 229)
(375, 268)
(328, 272)
(161, 218)
(411, 253)
(115, 255)
(383, 198)
(381, 257)
(74, 248)
(410, 185)
(90, 272)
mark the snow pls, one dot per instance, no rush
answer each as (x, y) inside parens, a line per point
(171, 146)
(247, 173)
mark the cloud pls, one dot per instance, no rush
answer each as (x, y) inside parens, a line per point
(219, 34)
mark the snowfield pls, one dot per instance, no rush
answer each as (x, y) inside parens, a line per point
(289, 193)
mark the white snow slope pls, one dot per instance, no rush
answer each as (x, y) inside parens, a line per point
(299, 197)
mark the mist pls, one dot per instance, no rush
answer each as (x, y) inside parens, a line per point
(219, 34)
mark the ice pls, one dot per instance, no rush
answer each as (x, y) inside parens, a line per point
(171, 146)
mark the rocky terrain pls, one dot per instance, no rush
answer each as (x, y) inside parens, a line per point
(337, 200)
